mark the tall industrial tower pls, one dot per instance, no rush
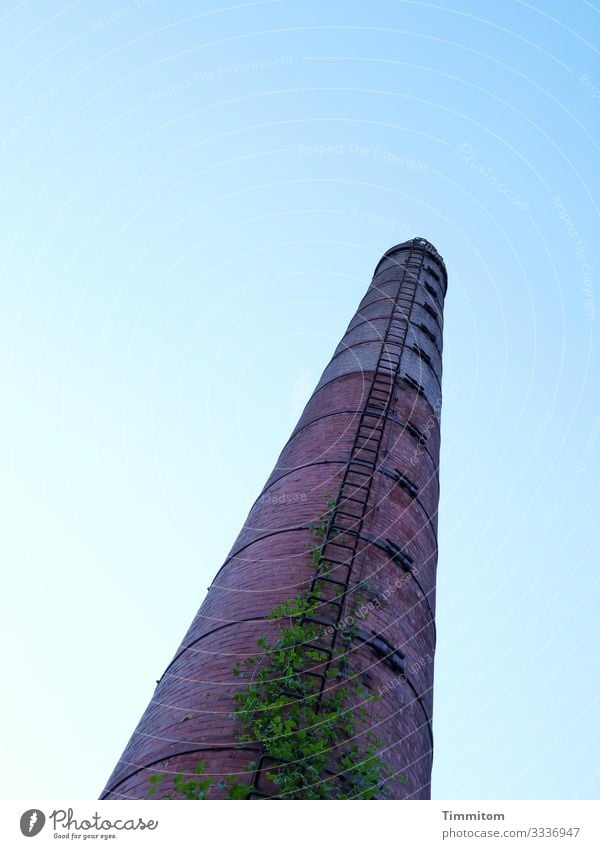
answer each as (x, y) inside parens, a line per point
(365, 453)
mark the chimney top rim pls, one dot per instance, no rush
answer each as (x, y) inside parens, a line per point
(418, 242)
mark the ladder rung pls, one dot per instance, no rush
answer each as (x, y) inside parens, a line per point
(351, 528)
(344, 498)
(338, 582)
(323, 601)
(371, 434)
(346, 531)
(328, 580)
(360, 450)
(309, 672)
(320, 620)
(368, 455)
(334, 561)
(360, 462)
(365, 456)
(364, 485)
(351, 548)
(317, 647)
(357, 487)
(360, 492)
(360, 502)
(349, 516)
(371, 437)
(359, 473)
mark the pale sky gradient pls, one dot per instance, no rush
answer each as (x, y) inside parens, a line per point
(193, 200)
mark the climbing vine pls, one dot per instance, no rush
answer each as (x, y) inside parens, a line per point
(308, 736)
(308, 729)
(189, 788)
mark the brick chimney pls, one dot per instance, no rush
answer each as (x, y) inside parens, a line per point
(369, 436)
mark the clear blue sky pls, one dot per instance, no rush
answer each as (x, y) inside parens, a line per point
(193, 199)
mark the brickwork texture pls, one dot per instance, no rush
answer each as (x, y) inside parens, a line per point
(189, 716)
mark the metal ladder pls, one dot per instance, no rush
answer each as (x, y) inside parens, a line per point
(330, 585)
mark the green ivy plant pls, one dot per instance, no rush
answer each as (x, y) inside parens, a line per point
(308, 736)
(196, 788)
(190, 788)
(307, 729)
